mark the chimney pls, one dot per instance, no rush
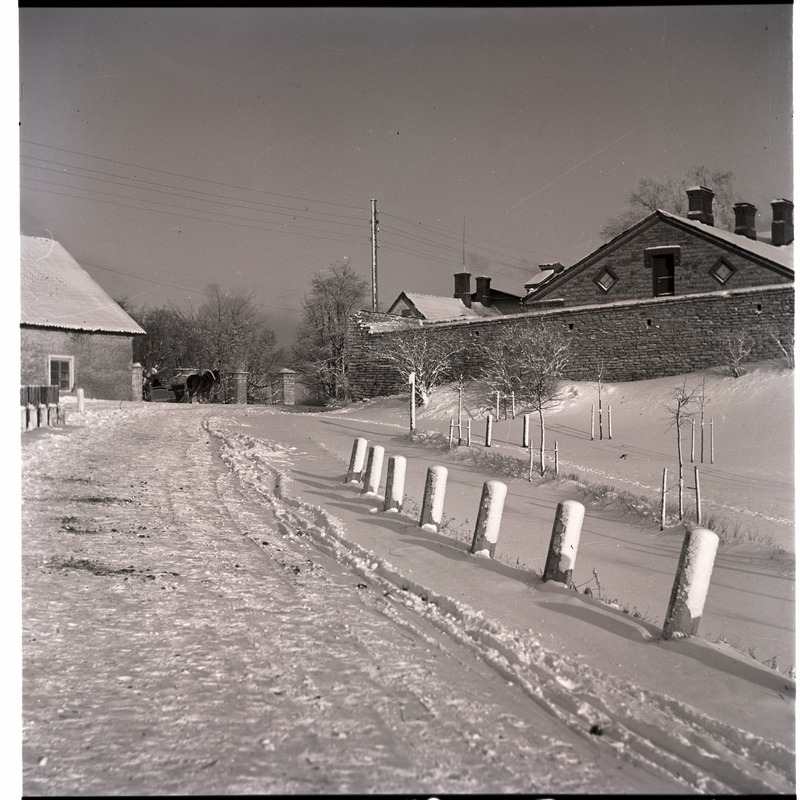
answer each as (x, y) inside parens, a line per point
(556, 267)
(482, 290)
(462, 290)
(701, 204)
(745, 224)
(782, 222)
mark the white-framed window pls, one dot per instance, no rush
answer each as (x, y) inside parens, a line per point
(606, 278)
(62, 371)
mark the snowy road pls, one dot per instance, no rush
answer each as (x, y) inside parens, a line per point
(189, 628)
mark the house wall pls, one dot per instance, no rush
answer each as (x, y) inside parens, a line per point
(102, 361)
(697, 258)
(632, 340)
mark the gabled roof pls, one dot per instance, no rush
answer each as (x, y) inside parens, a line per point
(779, 259)
(436, 308)
(56, 292)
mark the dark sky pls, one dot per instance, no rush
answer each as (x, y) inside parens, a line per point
(168, 149)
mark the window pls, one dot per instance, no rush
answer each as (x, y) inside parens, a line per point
(61, 372)
(662, 261)
(606, 278)
(722, 270)
(663, 275)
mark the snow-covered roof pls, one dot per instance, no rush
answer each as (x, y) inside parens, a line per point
(437, 308)
(57, 292)
(782, 255)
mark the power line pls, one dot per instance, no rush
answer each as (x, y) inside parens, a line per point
(180, 192)
(189, 177)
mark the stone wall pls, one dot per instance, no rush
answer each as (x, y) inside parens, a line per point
(632, 339)
(102, 361)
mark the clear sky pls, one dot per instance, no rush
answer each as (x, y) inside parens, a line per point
(168, 149)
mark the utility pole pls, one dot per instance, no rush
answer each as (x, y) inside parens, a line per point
(374, 225)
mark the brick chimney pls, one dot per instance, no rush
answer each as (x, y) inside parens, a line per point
(701, 204)
(462, 290)
(482, 290)
(782, 222)
(745, 224)
(556, 267)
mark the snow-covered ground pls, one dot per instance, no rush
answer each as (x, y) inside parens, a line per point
(713, 713)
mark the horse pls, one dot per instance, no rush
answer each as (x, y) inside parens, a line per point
(200, 386)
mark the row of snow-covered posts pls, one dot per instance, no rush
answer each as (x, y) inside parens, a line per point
(695, 564)
(39, 407)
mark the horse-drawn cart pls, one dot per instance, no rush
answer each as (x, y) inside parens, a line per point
(162, 394)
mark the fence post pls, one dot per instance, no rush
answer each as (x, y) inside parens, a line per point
(691, 584)
(450, 435)
(526, 429)
(372, 479)
(697, 494)
(412, 410)
(355, 472)
(81, 401)
(490, 513)
(395, 484)
(433, 499)
(564, 542)
(488, 430)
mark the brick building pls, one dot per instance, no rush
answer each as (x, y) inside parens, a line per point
(72, 334)
(666, 255)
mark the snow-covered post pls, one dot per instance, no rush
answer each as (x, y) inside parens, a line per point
(564, 542)
(490, 513)
(30, 416)
(24, 417)
(395, 484)
(355, 472)
(81, 404)
(488, 430)
(433, 499)
(41, 415)
(526, 429)
(52, 414)
(691, 583)
(372, 479)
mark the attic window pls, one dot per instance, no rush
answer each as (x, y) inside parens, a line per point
(605, 279)
(722, 270)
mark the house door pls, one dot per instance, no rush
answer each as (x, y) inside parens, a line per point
(663, 275)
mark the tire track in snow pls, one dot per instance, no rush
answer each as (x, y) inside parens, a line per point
(651, 730)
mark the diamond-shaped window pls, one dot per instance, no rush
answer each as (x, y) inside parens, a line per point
(722, 271)
(606, 278)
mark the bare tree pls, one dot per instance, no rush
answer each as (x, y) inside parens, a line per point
(737, 349)
(430, 354)
(529, 360)
(320, 349)
(670, 195)
(680, 410)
